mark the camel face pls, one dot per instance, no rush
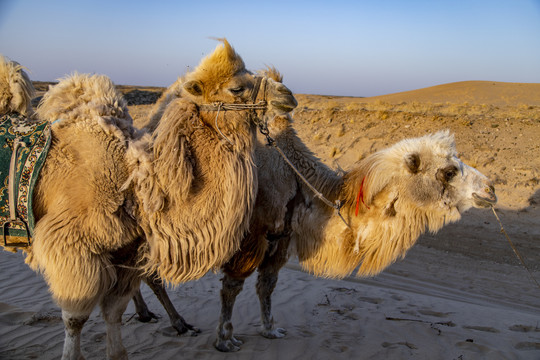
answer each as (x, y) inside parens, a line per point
(439, 179)
(221, 77)
(472, 188)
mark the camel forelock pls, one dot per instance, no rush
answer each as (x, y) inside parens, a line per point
(16, 89)
(218, 67)
(272, 73)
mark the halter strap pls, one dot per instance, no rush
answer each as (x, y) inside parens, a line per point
(260, 81)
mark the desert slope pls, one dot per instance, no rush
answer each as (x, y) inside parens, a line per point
(472, 92)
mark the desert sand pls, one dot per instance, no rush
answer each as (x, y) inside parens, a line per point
(459, 294)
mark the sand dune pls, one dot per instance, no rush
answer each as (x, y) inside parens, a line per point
(472, 92)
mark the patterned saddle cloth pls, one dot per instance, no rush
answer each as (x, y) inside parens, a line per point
(24, 144)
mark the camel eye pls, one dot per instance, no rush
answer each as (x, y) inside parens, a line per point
(447, 174)
(237, 90)
(450, 173)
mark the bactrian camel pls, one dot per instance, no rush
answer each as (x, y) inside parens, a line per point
(112, 203)
(388, 200)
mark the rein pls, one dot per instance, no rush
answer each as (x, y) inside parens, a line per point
(518, 255)
(336, 206)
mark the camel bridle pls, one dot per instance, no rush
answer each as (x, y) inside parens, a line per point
(260, 83)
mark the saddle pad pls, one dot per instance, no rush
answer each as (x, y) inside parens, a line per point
(32, 140)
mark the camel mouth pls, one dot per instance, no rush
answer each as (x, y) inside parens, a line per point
(286, 107)
(485, 201)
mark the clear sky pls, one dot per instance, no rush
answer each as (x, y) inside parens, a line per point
(333, 47)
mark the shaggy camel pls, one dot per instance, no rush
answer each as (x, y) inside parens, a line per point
(112, 203)
(388, 200)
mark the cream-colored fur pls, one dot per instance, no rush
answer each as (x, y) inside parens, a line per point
(16, 89)
(396, 206)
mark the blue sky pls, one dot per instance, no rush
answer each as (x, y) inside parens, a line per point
(337, 47)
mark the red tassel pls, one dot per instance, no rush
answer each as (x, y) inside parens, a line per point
(360, 197)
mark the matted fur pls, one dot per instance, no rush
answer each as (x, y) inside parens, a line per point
(207, 217)
(16, 89)
(81, 208)
(82, 98)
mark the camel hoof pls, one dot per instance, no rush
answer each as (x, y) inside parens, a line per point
(147, 317)
(276, 333)
(229, 345)
(185, 329)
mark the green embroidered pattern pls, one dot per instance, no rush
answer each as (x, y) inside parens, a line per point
(36, 138)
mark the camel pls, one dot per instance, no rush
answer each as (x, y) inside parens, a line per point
(388, 200)
(114, 204)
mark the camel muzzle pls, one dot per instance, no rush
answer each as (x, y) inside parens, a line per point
(486, 198)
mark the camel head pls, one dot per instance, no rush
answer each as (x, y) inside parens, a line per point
(391, 198)
(422, 173)
(16, 89)
(221, 77)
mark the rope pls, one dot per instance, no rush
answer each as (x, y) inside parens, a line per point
(219, 130)
(514, 249)
(337, 205)
(217, 106)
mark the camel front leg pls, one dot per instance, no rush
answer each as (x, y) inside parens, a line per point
(112, 308)
(226, 341)
(266, 283)
(72, 343)
(177, 321)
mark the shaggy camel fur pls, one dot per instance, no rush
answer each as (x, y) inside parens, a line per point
(15, 88)
(112, 203)
(389, 199)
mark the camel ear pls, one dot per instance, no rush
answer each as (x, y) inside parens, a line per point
(194, 87)
(413, 162)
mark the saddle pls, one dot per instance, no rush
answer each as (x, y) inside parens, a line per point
(24, 144)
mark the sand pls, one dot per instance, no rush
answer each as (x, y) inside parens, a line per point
(459, 294)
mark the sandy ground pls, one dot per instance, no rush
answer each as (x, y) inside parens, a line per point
(459, 294)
